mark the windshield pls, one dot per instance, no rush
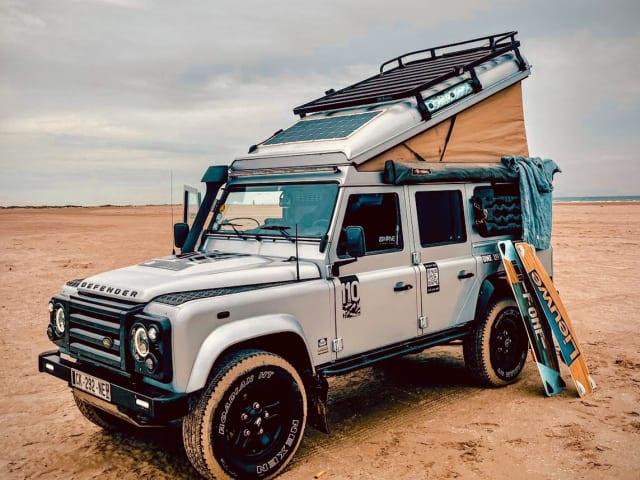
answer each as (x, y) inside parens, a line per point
(276, 210)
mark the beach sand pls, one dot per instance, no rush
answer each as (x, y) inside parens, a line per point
(416, 417)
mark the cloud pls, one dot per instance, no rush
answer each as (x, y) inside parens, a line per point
(128, 90)
(582, 107)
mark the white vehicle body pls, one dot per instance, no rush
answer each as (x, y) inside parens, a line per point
(144, 342)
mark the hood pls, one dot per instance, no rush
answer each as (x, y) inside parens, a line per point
(196, 271)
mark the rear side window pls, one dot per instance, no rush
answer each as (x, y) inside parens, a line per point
(496, 210)
(440, 217)
(379, 216)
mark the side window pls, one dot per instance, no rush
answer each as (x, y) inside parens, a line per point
(440, 217)
(496, 210)
(379, 216)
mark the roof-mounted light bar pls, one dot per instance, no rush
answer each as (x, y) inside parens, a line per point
(284, 171)
(449, 96)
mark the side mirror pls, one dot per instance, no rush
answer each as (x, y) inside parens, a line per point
(180, 232)
(355, 241)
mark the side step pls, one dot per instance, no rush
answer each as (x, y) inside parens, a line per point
(416, 345)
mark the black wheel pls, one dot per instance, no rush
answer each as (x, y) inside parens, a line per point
(250, 419)
(496, 351)
(103, 419)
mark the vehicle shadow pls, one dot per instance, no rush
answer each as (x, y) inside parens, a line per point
(368, 399)
(155, 452)
(378, 397)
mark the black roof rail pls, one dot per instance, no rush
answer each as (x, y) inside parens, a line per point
(410, 76)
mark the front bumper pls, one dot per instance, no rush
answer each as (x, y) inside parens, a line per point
(141, 403)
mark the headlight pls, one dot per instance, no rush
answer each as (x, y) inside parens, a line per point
(149, 342)
(140, 340)
(60, 320)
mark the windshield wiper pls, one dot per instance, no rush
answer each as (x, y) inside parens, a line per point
(279, 228)
(235, 230)
(233, 226)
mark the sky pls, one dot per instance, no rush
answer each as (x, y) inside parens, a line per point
(114, 101)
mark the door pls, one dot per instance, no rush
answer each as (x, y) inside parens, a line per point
(377, 300)
(448, 276)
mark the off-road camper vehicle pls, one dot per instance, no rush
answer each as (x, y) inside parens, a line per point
(366, 230)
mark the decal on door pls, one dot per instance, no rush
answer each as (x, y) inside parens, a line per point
(433, 277)
(491, 257)
(323, 346)
(350, 296)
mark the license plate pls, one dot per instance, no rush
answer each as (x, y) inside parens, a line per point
(91, 384)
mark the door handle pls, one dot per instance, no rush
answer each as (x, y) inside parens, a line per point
(462, 275)
(401, 287)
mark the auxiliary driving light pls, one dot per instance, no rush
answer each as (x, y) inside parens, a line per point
(153, 333)
(150, 363)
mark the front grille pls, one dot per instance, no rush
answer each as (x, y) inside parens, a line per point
(97, 329)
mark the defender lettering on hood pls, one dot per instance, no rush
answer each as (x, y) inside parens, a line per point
(96, 287)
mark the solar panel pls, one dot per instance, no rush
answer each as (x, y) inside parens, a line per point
(322, 129)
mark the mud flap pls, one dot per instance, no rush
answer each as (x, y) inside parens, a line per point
(318, 391)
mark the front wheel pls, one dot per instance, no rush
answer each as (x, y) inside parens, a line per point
(496, 351)
(250, 419)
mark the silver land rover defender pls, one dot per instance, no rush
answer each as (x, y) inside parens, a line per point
(366, 230)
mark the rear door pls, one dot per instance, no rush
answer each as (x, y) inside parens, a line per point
(377, 295)
(448, 272)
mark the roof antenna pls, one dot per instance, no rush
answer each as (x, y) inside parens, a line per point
(297, 258)
(173, 247)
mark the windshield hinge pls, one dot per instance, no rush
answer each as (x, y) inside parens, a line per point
(329, 270)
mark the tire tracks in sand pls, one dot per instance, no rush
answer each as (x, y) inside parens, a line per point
(393, 396)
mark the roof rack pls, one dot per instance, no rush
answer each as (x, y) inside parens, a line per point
(410, 75)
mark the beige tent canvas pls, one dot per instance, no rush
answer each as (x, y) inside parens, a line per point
(484, 132)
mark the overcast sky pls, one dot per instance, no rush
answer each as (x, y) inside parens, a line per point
(101, 100)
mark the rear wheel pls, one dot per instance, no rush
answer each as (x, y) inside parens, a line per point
(250, 419)
(496, 350)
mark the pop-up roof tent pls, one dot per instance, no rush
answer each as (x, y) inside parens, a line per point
(448, 113)
(482, 133)
(455, 103)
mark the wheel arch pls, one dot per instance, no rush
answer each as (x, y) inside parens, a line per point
(280, 334)
(492, 287)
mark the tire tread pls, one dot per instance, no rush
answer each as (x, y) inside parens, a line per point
(193, 425)
(476, 350)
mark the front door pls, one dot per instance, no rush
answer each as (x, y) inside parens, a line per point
(377, 295)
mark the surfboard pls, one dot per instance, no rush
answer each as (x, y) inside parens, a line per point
(538, 330)
(556, 315)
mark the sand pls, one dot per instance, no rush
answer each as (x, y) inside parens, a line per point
(416, 417)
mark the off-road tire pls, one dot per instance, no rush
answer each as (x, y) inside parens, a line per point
(496, 351)
(104, 420)
(249, 420)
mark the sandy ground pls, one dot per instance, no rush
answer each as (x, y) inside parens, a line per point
(412, 418)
